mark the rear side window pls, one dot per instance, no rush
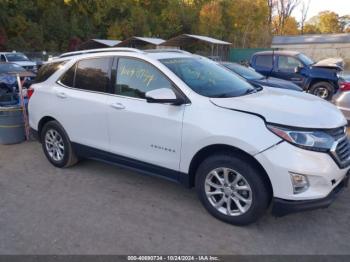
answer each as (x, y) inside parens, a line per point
(264, 61)
(93, 74)
(68, 77)
(48, 70)
(89, 74)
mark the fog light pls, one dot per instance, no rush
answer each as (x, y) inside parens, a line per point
(300, 183)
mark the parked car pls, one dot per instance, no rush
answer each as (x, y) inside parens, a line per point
(255, 78)
(320, 79)
(20, 59)
(190, 120)
(342, 98)
(8, 79)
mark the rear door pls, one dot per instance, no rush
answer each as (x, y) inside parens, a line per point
(80, 99)
(285, 69)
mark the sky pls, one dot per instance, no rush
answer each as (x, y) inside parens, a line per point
(341, 7)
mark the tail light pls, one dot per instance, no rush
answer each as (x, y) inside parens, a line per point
(344, 86)
(30, 92)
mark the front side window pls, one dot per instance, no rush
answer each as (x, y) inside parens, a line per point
(288, 63)
(207, 78)
(135, 78)
(2, 58)
(93, 74)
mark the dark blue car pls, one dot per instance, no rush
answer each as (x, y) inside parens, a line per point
(254, 77)
(320, 78)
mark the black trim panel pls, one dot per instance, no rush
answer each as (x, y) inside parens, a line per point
(133, 164)
(282, 207)
(34, 134)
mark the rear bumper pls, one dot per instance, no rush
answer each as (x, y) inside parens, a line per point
(282, 207)
(34, 134)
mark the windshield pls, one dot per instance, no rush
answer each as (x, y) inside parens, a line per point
(207, 78)
(243, 71)
(10, 68)
(16, 57)
(306, 60)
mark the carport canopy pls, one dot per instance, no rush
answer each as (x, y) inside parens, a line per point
(139, 42)
(186, 39)
(98, 43)
(218, 49)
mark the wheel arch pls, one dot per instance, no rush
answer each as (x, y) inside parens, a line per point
(219, 148)
(41, 124)
(314, 81)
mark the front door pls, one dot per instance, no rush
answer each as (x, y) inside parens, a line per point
(146, 132)
(285, 69)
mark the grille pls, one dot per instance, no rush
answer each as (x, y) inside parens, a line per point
(343, 150)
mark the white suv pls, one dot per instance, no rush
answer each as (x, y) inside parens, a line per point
(185, 118)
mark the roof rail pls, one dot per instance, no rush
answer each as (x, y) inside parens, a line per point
(100, 50)
(166, 50)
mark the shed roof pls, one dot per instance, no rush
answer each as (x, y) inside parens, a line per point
(141, 40)
(187, 38)
(107, 42)
(311, 39)
(97, 43)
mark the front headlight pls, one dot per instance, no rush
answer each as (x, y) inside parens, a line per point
(311, 140)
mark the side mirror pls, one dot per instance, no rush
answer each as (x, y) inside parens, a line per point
(297, 69)
(163, 95)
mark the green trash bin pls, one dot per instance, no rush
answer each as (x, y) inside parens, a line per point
(11, 125)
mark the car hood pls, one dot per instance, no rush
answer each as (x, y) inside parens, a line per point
(279, 83)
(286, 107)
(333, 63)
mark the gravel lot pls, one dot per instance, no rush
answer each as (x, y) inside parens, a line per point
(96, 208)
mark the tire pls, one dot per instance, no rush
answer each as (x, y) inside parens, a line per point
(234, 166)
(323, 90)
(55, 138)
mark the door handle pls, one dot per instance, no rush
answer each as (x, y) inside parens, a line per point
(61, 95)
(118, 106)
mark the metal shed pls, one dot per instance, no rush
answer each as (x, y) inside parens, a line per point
(205, 45)
(141, 42)
(97, 43)
(278, 41)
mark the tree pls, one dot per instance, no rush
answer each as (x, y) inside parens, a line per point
(284, 11)
(304, 10)
(290, 26)
(329, 22)
(210, 20)
(311, 29)
(344, 23)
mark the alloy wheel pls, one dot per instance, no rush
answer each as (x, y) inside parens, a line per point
(54, 145)
(321, 92)
(228, 191)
